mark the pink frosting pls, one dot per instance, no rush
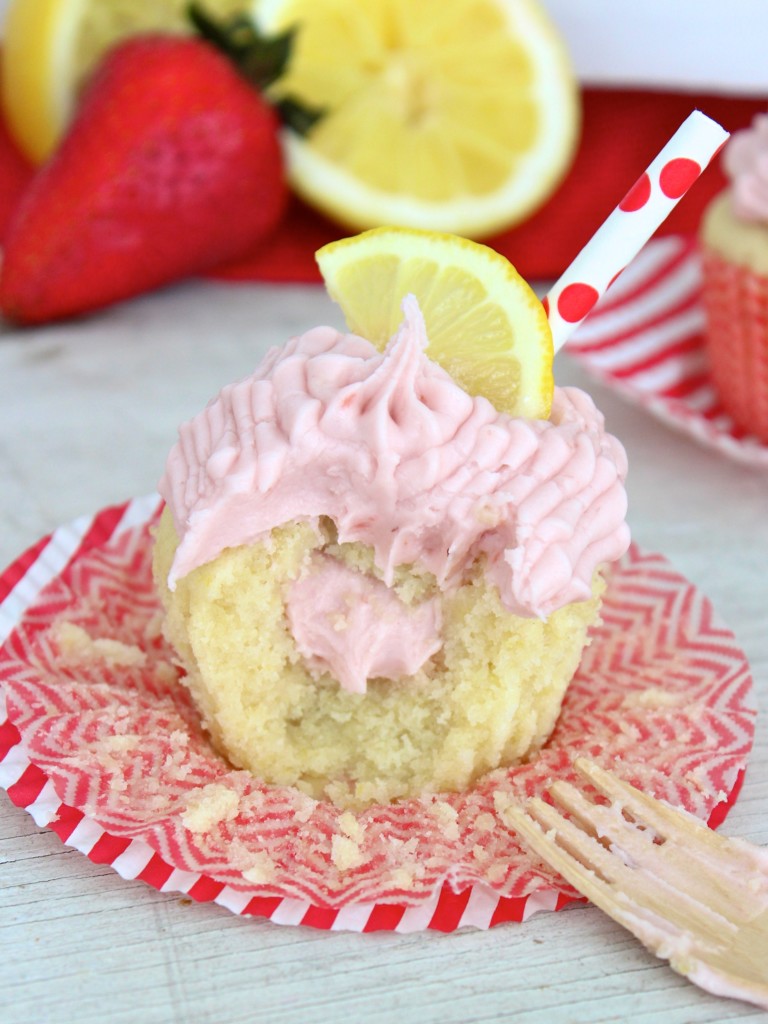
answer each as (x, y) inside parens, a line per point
(402, 459)
(745, 159)
(356, 627)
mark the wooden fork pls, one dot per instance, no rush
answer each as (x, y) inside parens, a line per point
(693, 897)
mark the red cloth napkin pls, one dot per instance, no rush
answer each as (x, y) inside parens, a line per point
(622, 130)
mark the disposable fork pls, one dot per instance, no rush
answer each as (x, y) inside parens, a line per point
(692, 896)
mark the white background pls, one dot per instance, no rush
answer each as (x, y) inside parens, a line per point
(699, 45)
(686, 44)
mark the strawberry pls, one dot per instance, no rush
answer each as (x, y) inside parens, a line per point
(171, 166)
(15, 175)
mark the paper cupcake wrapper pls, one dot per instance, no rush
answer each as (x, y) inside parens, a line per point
(107, 750)
(645, 340)
(736, 305)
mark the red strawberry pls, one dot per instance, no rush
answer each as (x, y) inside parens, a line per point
(15, 175)
(171, 167)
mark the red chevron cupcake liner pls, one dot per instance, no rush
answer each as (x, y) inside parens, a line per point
(736, 306)
(646, 341)
(101, 745)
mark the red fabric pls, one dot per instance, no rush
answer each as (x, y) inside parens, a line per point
(622, 131)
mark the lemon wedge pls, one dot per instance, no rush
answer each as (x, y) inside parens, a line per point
(50, 46)
(485, 325)
(452, 115)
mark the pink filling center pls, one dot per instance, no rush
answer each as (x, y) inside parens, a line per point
(353, 626)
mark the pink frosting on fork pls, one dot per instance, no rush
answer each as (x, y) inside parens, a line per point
(402, 459)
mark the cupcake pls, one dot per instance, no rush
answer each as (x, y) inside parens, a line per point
(734, 239)
(377, 585)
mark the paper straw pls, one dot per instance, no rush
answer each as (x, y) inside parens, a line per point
(619, 239)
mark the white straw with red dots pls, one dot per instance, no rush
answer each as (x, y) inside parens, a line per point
(619, 239)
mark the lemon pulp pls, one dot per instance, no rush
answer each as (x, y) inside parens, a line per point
(458, 116)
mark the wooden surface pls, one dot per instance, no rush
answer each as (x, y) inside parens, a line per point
(87, 414)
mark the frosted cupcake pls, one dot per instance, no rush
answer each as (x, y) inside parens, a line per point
(735, 265)
(379, 586)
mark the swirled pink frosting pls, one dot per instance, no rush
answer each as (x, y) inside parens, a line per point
(745, 160)
(403, 460)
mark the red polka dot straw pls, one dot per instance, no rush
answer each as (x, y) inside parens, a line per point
(645, 206)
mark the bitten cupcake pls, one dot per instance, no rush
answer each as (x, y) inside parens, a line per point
(379, 586)
(734, 240)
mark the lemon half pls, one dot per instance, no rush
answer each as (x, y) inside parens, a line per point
(452, 115)
(485, 325)
(50, 46)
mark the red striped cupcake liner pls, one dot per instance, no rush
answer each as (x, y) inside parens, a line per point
(106, 750)
(646, 340)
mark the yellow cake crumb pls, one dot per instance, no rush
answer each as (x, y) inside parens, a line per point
(304, 807)
(485, 822)
(501, 802)
(447, 816)
(121, 743)
(76, 642)
(345, 853)
(351, 827)
(208, 806)
(653, 697)
(496, 873)
(261, 870)
(402, 878)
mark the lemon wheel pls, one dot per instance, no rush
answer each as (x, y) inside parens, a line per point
(485, 325)
(457, 116)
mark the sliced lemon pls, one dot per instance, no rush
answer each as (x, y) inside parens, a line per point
(453, 115)
(50, 46)
(485, 325)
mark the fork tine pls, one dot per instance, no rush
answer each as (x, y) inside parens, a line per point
(606, 822)
(702, 906)
(610, 887)
(668, 822)
(628, 895)
(676, 825)
(674, 880)
(585, 879)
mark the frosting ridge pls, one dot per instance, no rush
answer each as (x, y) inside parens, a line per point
(403, 460)
(745, 160)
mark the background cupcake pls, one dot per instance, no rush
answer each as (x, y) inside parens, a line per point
(735, 265)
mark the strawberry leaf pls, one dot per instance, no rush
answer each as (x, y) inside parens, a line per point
(298, 116)
(261, 59)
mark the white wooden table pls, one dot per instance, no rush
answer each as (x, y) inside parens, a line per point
(87, 413)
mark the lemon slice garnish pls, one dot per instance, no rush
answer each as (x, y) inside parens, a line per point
(485, 325)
